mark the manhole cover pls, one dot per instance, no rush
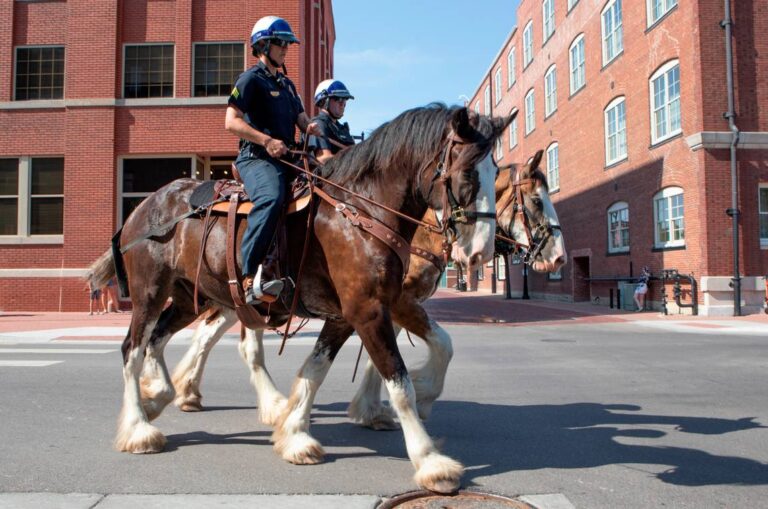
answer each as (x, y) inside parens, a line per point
(461, 500)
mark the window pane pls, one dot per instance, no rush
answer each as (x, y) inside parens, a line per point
(148, 71)
(217, 67)
(46, 216)
(9, 210)
(763, 199)
(129, 204)
(9, 177)
(149, 175)
(47, 175)
(39, 73)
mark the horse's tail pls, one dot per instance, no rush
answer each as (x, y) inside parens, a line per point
(101, 271)
(119, 265)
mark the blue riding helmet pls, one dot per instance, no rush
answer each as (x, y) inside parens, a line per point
(331, 88)
(272, 27)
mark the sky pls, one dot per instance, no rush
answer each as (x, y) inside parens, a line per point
(397, 54)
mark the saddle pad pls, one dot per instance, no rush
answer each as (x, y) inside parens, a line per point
(245, 207)
(203, 196)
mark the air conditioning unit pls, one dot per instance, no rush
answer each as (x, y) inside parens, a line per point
(628, 296)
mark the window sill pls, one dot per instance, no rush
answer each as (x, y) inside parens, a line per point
(662, 18)
(573, 94)
(607, 64)
(617, 253)
(31, 240)
(554, 191)
(547, 116)
(525, 66)
(666, 140)
(616, 163)
(657, 249)
(512, 85)
(549, 37)
(571, 8)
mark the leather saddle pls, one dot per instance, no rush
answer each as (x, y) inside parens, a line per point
(219, 192)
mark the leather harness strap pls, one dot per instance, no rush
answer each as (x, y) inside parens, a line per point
(391, 238)
(437, 261)
(250, 317)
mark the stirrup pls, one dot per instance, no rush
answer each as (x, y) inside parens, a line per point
(266, 292)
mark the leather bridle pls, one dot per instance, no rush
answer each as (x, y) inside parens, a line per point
(537, 234)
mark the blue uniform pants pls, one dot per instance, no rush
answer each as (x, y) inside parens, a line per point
(265, 183)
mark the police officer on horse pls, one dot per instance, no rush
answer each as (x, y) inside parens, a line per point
(264, 109)
(331, 97)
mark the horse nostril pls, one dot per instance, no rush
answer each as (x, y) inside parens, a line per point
(560, 261)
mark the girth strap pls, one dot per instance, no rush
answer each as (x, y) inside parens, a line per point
(388, 236)
(250, 317)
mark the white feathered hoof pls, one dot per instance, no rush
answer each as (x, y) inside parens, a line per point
(270, 414)
(439, 473)
(140, 439)
(299, 449)
(382, 422)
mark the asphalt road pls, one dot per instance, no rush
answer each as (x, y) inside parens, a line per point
(611, 415)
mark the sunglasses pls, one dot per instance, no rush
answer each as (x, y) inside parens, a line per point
(280, 43)
(339, 99)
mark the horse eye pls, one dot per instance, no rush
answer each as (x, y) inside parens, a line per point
(537, 201)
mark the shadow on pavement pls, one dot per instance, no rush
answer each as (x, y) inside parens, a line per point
(495, 439)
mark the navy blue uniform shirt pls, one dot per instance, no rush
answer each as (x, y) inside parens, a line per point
(270, 103)
(332, 129)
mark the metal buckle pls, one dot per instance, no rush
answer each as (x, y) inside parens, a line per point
(458, 215)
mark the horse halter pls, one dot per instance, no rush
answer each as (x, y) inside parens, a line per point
(443, 175)
(538, 235)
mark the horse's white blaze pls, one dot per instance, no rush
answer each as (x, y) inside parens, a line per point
(271, 401)
(558, 249)
(479, 247)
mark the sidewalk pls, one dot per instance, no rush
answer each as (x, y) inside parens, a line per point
(447, 307)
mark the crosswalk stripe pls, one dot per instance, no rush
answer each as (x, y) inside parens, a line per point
(55, 350)
(28, 364)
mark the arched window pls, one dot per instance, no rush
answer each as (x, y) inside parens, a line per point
(615, 131)
(668, 218)
(530, 112)
(547, 19)
(665, 102)
(577, 63)
(550, 91)
(613, 35)
(553, 167)
(618, 227)
(528, 44)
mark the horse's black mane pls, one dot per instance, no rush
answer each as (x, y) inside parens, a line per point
(411, 138)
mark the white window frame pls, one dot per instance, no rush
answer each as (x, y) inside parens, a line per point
(530, 112)
(616, 35)
(571, 3)
(487, 100)
(528, 44)
(616, 208)
(663, 73)
(550, 91)
(121, 160)
(513, 133)
(511, 71)
(24, 205)
(762, 214)
(577, 64)
(666, 6)
(499, 150)
(477, 106)
(553, 167)
(547, 19)
(497, 86)
(667, 194)
(620, 133)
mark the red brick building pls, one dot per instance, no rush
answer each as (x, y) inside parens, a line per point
(102, 103)
(627, 99)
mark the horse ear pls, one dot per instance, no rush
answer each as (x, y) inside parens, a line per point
(460, 123)
(536, 160)
(501, 123)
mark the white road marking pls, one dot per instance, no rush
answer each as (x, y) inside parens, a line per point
(28, 364)
(54, 350)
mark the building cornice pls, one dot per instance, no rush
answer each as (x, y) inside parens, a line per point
(43, 273)
(722, 139)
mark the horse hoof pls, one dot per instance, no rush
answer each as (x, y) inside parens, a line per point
(382, 422)
(300, 449)
(190, 406)
(144, 439)
(439, 473)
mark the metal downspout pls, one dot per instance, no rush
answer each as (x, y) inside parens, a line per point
(733, 212)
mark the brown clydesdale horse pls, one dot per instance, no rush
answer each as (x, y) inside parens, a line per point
(351, 279)
(420, 283)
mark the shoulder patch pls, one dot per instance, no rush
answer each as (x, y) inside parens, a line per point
(235, 93)
(275, 93)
